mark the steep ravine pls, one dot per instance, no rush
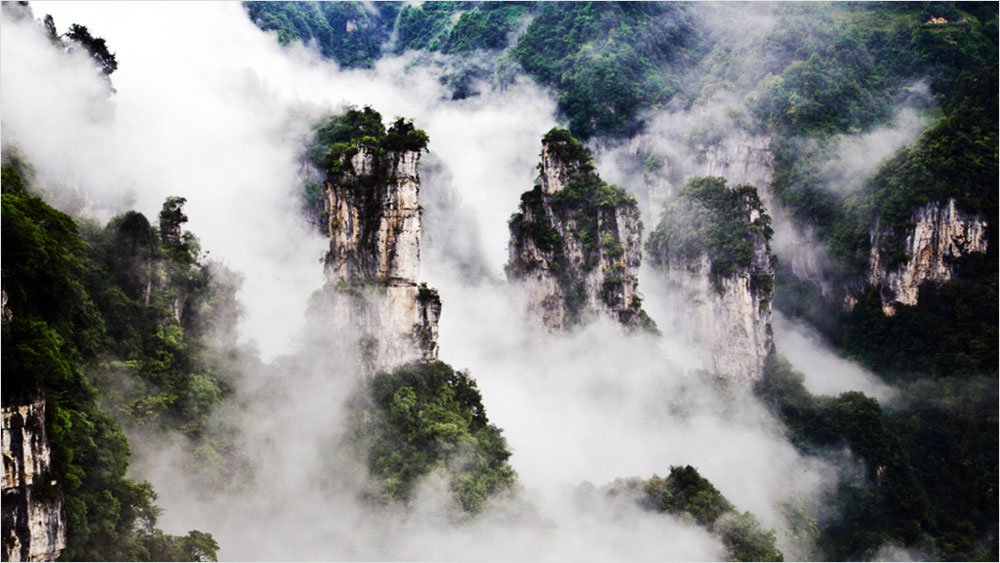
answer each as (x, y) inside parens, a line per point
(576, 242)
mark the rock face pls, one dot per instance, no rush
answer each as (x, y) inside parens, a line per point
(713, 245)
(746, 159)
(34, 520)
(941, 234)
(576, 242)
(372, 215)
(741, 159)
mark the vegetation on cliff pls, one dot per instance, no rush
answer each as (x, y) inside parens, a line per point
(707, 218)
(585, 209)
(606, 60)
(685, 494)
(581, 202)
(427, 418)
(76, 297)
(341, 136)
(346, 32)
(114, 317)
(951, 333)
(954, 159)
(929, 463)
(338, 139)
(458, 27)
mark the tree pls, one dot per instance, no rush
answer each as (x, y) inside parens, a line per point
(171, 218)
(96, 46)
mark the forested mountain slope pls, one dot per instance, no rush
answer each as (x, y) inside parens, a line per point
(820, 186)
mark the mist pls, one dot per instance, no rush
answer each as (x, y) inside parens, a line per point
(210, 108)
(825, 373)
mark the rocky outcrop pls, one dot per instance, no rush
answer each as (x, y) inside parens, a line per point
(713, 245)
(372, 216)
(940, 235)
(576, 242)
(34, 520)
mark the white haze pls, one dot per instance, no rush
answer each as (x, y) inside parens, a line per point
(210, 108)
(856, 158)
(222, 123)
(678, 137)
(825, 372)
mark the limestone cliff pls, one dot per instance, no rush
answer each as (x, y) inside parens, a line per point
(940, 235)
(741, 159)
(34, 520)
(713, 245)
(746, 159)
(576, 241)
(672, 157)
(371, 213)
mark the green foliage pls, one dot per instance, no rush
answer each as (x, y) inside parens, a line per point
(424, 418)
(819, 69)
(41, 252)
(486, 26)
(839, 68)
(347, 32)
(343, 133)
(568, 150)
(850, 65)
(195, 546)
(425, 293)
(586, 208)
(402, 136)
(686, 492)
(952, 332)
(14, 174)
(542, 233)
(585, 198)
(948, 428)
(425, 26)
(954, 159)
(158, 302)
(828, 92)
(607, 59)
(885, 503)
(95, 46)
(340, 137)
(746, 540)
(458, 28)
(709, 219)
(55, 331)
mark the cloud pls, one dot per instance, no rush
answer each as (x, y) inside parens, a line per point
(223, 122)
(825, 372)
(856, 158)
